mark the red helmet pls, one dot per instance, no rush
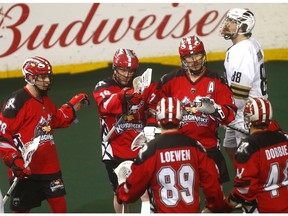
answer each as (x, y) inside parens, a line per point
(258, 111)
(125, 58)
(36, 66)
(191, 45)
(169, 110)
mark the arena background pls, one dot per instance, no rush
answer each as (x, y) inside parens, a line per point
(88, 189)
(78, 67)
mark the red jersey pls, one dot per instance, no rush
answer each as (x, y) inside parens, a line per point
(262, 171)
(110, 109)
(173, 167)
(21, 119)
(199, 126)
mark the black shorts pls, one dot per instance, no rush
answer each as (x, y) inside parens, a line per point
(219, 160)
(110, 166)
(29, 193)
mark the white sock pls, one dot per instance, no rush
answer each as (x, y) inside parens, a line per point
(145, 207)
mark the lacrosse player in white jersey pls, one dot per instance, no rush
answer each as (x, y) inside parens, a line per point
(244, 69)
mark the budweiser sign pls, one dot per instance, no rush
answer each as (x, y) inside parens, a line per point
(92, 30)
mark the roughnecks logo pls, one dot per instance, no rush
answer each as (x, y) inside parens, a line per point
(199, 118)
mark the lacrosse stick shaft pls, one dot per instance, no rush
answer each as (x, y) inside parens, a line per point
(27, 156)
(106, 138)
(12, 187)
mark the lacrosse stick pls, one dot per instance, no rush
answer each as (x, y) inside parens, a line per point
(27, 153)
(140, 140)
(122, 171)
(238, 129)
(139, 84)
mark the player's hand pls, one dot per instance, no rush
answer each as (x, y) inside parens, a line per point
(149, 133)
(128, 95)
(208, 106)
(205, 105)
(15, 161)
(19, 170)
(117, 193)
(79, 101)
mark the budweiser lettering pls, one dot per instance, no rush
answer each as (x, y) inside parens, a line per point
(79, 32)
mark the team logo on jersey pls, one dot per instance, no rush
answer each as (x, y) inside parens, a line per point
(189, 114)
(10, 104)
(16, 201)
(43, 128)
(193, 90)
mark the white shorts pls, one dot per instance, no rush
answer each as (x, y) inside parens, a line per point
(233, 138)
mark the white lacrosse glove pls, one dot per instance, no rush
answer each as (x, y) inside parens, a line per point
(149, 132)
(208, 106)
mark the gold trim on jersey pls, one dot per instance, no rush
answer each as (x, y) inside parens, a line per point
(239, 91)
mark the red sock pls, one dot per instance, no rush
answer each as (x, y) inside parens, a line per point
(58, 204)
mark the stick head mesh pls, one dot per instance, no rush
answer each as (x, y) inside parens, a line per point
(123, 171)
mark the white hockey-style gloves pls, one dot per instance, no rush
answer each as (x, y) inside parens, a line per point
(208, 106)
(149, 132)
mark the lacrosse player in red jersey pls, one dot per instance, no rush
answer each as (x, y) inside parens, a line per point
(206, 97)
(29, 113)
(261, 163)
(173, 167)
(123, 112)
(244, 69)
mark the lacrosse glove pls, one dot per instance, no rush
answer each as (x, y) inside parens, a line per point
(127, 94)
(208, 106)
(149, 132)
(79, 101)
(15, 161)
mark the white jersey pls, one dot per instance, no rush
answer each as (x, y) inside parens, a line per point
(245, 73)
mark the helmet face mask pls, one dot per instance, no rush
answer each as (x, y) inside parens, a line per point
(192, 54)
(37, 72)
(169, 112)
(257, 112)
(237, 21)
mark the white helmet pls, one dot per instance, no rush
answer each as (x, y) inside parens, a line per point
(245, 21)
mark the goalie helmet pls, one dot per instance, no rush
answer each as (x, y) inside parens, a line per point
(35, 66)
(169, 110)
(257, 111)
(125, 58)
(244, 20)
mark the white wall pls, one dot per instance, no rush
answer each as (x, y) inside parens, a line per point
(20, 22)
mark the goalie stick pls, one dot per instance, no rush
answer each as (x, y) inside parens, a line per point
(27, 153)
(139, 85)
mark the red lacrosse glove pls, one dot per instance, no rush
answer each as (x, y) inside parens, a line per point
(15, 161)
(19, 170)
(79, 100)
(128, 95)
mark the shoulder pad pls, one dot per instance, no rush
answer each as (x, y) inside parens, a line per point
(103, 84)
(245, 150)
(14, 103)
